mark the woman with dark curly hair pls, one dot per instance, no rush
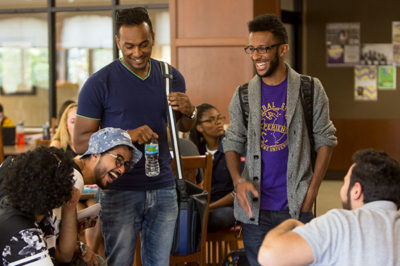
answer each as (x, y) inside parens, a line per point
(207, 134)
(33, 184)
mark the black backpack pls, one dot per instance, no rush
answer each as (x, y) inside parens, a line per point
(307, 99)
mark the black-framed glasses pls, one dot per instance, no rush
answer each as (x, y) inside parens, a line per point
(260, 49)
(120, 161)
(214, 120)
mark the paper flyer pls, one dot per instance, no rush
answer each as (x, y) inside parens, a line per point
(343, 44)
(396, 54)
(376, 54)
(365, 88)
(387, 77)
(396, 32)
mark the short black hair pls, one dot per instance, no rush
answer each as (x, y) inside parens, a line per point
(269, 22)
(1, 108)
(38, 181)
(132, 16)
(378, 174)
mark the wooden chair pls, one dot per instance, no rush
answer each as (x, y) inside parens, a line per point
(220, 243)
(190, 165)
(1, 145)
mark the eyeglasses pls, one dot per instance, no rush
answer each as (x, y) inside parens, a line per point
(260, 49)
(119, 161)
(214, 120)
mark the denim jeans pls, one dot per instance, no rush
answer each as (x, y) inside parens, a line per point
(124, 214)
(253, 235)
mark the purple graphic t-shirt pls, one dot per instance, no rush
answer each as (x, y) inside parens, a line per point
(274, 147)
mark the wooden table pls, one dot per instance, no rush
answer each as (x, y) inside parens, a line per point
(17, 149)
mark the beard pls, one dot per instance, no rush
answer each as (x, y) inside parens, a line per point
(273, 65)
(347, 204)
(99, 173)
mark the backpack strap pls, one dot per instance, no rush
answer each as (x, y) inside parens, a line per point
(307, 101)
(167, 75)
(244, 102)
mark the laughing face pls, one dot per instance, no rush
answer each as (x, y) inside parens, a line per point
(267, 63)
(111, 165)
(135, 43)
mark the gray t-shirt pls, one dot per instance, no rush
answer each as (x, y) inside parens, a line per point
(369, 235)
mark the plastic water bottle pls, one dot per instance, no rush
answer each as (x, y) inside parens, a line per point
(46, 131)
(20, 133)
(152, 167)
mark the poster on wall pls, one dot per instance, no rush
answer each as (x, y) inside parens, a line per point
(342, 44)
(396, 54)
(396, 32)
(376, 54)
(365, 83)
(387, 77)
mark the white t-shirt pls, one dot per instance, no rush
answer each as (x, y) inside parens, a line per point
(369, 235)
(78, 178)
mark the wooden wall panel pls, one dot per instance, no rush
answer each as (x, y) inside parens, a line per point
(213, 73)
(356, 134)
(213, 19)
(207, 40)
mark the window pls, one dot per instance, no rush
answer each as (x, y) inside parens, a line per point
(84, 44)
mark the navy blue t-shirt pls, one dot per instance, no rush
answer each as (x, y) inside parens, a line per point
(118, 98)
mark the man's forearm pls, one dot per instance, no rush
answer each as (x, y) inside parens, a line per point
(68, 234)
(233, 164)
(321, 165)
(280, 240)
(185, 123)
(283, 228)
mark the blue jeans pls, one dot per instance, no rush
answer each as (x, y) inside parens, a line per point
(253, 235)
(126, 213)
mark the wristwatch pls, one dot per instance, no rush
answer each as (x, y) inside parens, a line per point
(82, 248)
(193, 115)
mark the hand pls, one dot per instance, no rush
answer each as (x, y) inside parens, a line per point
(90, 258)
(142, 134)
(180, 102)
(308, 201)
(241, 193)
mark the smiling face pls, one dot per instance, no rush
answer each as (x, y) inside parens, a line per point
(135, 43)
(107, 170)
(211, 124)
(266, 64)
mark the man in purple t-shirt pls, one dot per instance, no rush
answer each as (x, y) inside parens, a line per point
(278, 181)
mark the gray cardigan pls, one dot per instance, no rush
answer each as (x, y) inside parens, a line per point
(299, 169)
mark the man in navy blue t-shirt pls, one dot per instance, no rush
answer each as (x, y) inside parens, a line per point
(129, 94)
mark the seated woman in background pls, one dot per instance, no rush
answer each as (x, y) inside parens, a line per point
(64, 135)
(207, 134)
(4, 120)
